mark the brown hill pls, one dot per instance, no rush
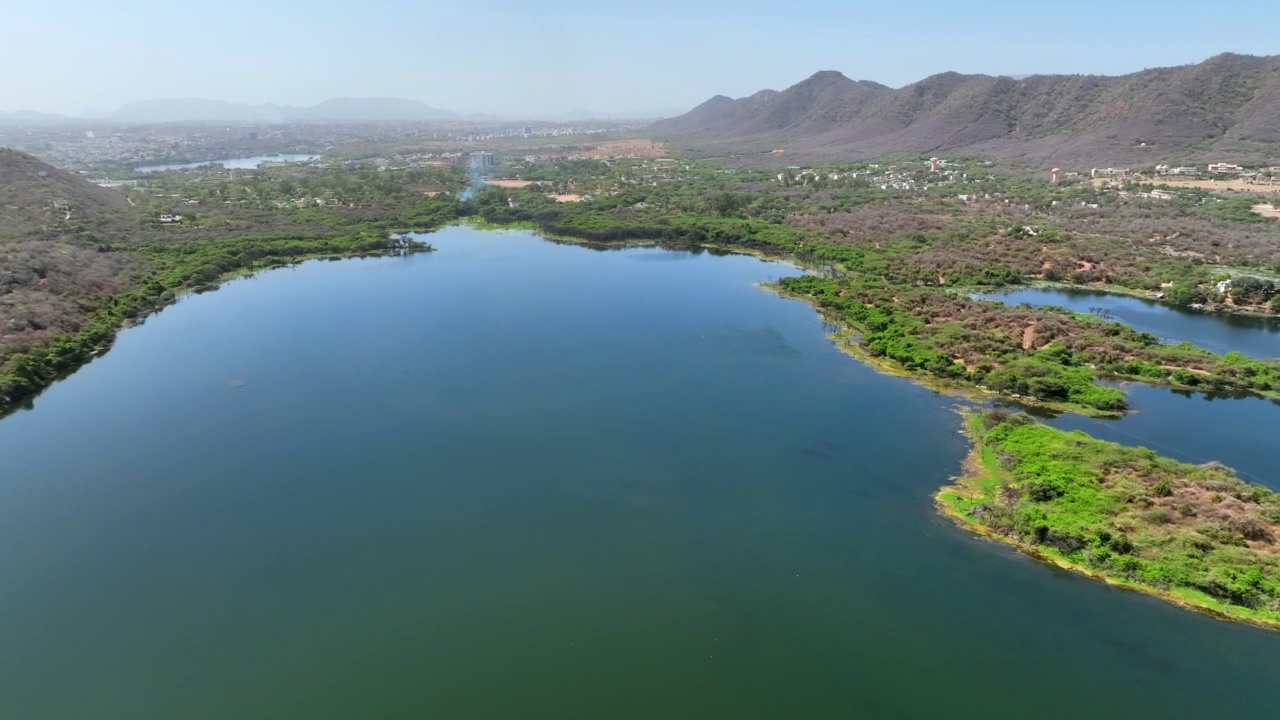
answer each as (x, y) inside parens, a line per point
(1226, 107)
(39, 199)
(55, 260)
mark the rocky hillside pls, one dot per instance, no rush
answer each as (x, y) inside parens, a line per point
(56, 259)
(1227, 107)
(39, 199)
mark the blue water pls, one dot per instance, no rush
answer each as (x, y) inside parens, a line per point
(520, 479)
(1254, 336)
(245, 163)
(1197, 428)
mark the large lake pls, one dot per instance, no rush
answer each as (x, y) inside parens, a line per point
(244, 163)
(519, 479)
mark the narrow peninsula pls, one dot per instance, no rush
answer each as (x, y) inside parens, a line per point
(1196, 535)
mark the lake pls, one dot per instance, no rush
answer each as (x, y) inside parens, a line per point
(245, 163)
(515, 478)
(1251, 335)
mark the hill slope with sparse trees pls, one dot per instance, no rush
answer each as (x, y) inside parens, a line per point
(1225, 107)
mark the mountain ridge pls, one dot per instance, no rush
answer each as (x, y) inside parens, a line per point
(1226, 104)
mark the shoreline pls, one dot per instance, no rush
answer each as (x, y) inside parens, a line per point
(966, 486)
(1218, 310)
(973, 393)
(956, 388)
(95, 350)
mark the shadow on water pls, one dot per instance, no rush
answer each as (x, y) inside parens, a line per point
(766, 341)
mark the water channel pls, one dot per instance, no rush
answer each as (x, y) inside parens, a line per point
(1254, 336)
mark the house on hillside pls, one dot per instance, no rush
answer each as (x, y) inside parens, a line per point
(1225, 168)
(1169, 170)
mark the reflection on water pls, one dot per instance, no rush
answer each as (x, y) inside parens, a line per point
(245, 163)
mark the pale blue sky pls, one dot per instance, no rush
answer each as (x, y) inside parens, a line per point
(535, 57)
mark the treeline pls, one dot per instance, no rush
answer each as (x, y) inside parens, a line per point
(173, 270)
(1048, 354)
(894, 291)
(597, 223)
(69, 280)
(280, 188)
(60, 315)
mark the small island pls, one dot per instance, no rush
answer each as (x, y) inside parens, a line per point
(1196, 535)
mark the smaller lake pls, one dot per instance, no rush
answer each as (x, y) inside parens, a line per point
(1254, 336)
(246, 163)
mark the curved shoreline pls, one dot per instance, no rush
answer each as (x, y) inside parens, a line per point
(959, 389)
(1217, 310)
(93, 350)
(973, 393)
(966, 485)
(966, 523)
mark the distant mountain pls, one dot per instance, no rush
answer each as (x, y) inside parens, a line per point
(376, 108)
(335, 109)
(191, 110)
(478, 117)
(1228, 105)
(30, 117)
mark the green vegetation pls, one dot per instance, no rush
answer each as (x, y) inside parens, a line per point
(1046, 354)
(79, 262)
(891, 240)
(890, 276)
(974, 225)
(1195, 534)
(889, 247)
(173, 270)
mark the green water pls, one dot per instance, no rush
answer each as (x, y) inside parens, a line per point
(520, 479)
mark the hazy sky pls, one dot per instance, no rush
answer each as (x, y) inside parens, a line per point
(539, 57)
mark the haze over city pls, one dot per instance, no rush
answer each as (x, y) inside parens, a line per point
(521, 59)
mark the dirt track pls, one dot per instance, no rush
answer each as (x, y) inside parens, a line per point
(640, 147)
(509, 183)
(1232, 185)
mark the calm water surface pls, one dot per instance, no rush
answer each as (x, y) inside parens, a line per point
(245, 163)
(520, 479)
(1196, 428)
(1255, 336)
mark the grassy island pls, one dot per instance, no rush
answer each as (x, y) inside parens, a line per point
(1193, 534)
